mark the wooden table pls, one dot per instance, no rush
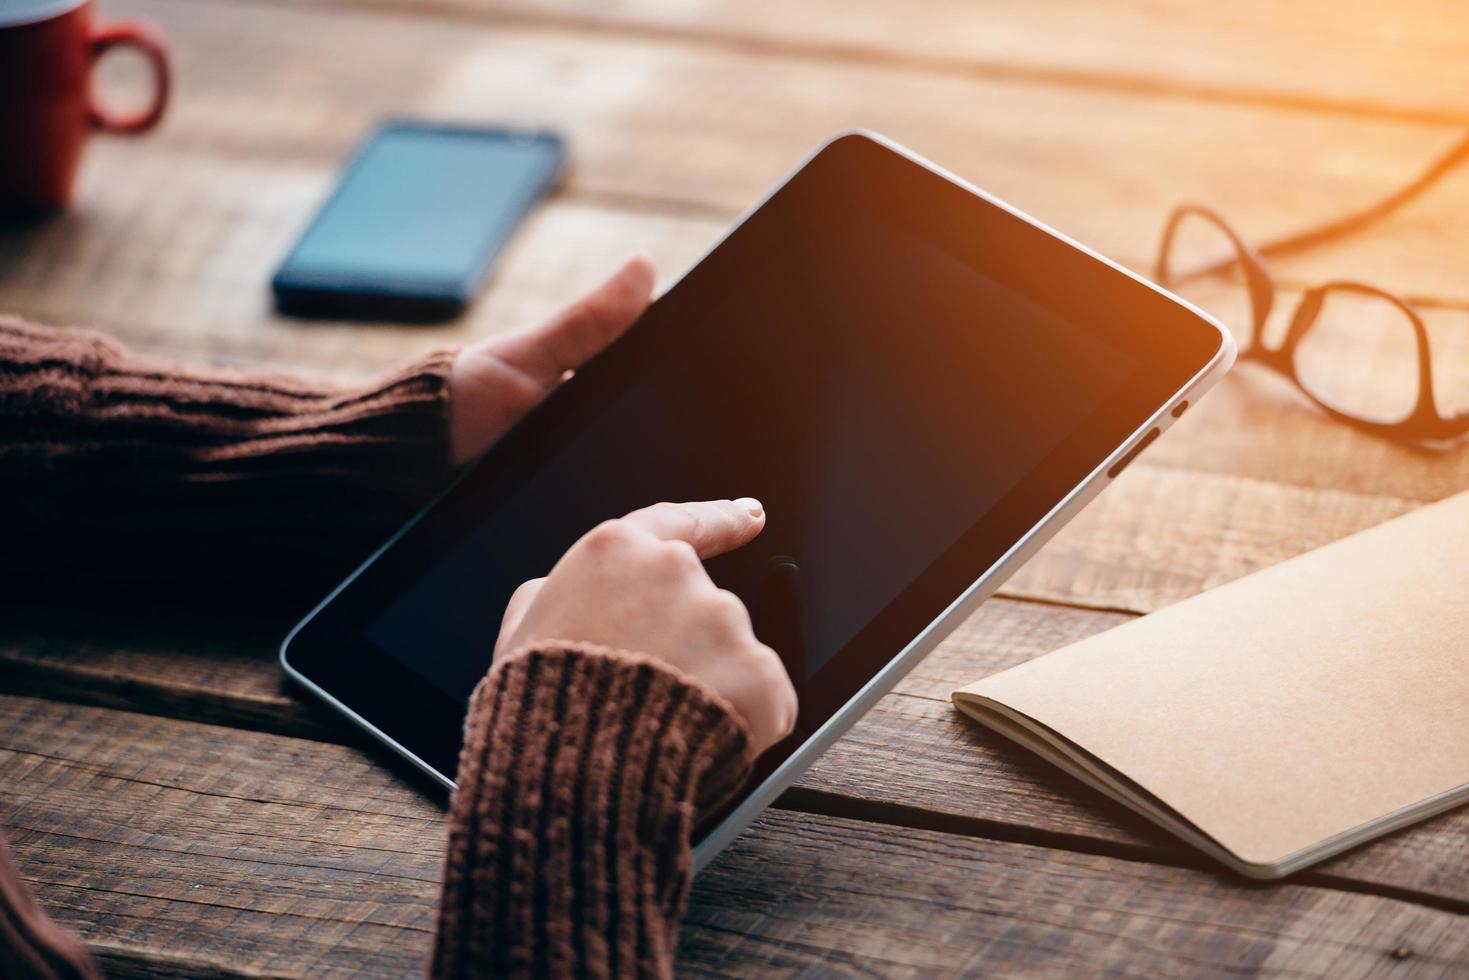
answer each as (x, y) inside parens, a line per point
(190, 815)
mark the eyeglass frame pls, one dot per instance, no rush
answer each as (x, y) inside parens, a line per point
(1425, 423)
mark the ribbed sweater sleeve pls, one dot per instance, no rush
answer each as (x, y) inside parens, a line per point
(582, 776)
(117, 469)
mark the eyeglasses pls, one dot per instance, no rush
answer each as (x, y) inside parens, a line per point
(1361, 353)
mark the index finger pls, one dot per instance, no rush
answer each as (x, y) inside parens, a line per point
(711, 526)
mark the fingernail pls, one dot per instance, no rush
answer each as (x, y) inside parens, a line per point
(750, 506)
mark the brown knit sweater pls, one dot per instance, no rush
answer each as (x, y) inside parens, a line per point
(583, 770)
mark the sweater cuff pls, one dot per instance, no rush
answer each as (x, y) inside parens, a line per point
(583, 774)
(111, 460)
(76, 397)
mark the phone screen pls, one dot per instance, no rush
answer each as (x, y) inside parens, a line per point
(421, 212)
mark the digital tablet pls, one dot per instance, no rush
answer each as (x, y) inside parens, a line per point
(919, 382)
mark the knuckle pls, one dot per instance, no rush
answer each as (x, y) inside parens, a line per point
(723, 618)
(792, 707)
(607, 536)
(784, 708)
(767, 664)
(728, 608)
(678, 556)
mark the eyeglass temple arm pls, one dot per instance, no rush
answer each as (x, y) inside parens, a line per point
(1308, 237)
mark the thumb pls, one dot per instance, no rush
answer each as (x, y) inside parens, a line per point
(711, 526)
(571, 338)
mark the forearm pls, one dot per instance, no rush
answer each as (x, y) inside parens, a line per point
(581, 779)
(119, 468)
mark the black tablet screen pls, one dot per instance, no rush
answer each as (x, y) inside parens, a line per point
(906, 375)
(877, 398)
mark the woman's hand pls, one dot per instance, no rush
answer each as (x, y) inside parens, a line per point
(638, 584)
(495, 382)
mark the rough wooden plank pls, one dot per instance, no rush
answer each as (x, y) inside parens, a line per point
(1396, 60)
(263, 854)
(1160, 534)
(255, 853)
(1257, 426)
(176, 237)
(303, 122)
(807, 896)
(686, 125)
(913, 759)
(163, 293)
(206, 662)
(1155, 537)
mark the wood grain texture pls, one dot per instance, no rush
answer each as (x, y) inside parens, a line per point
(1156, 536)
(162, 294)
(1159, 534)
(239, 853)
(812, 897)
(276, 846)
(212, 663)
(915, 752)
(915, 760)
(698, 128)
(1358, 57)
(252, 853)
(175, 236)
(912, 760)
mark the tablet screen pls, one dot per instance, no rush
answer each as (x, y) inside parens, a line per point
(878, 398)
(908, 376)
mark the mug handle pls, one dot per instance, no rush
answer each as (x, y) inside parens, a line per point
(155, 49)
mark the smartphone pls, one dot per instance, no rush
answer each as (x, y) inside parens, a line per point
(416, 221)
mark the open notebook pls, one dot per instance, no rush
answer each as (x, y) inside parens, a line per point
(1279, 719)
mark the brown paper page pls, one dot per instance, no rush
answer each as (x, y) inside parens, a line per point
(1290, 706)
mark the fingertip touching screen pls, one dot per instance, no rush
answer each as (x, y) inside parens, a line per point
(907, 375)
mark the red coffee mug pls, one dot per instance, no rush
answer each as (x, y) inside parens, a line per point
(47, 50)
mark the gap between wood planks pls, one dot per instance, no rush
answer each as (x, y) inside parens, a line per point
(120, 961)
(830, 51)
(1044, 601)
(295, 717)
(618, 177)
(669, 200)
(292, 714)
(803, 799)
(1053, 893)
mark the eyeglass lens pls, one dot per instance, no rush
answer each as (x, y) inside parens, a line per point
(1361, 357)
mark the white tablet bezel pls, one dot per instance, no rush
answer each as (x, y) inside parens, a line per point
(985, 585)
